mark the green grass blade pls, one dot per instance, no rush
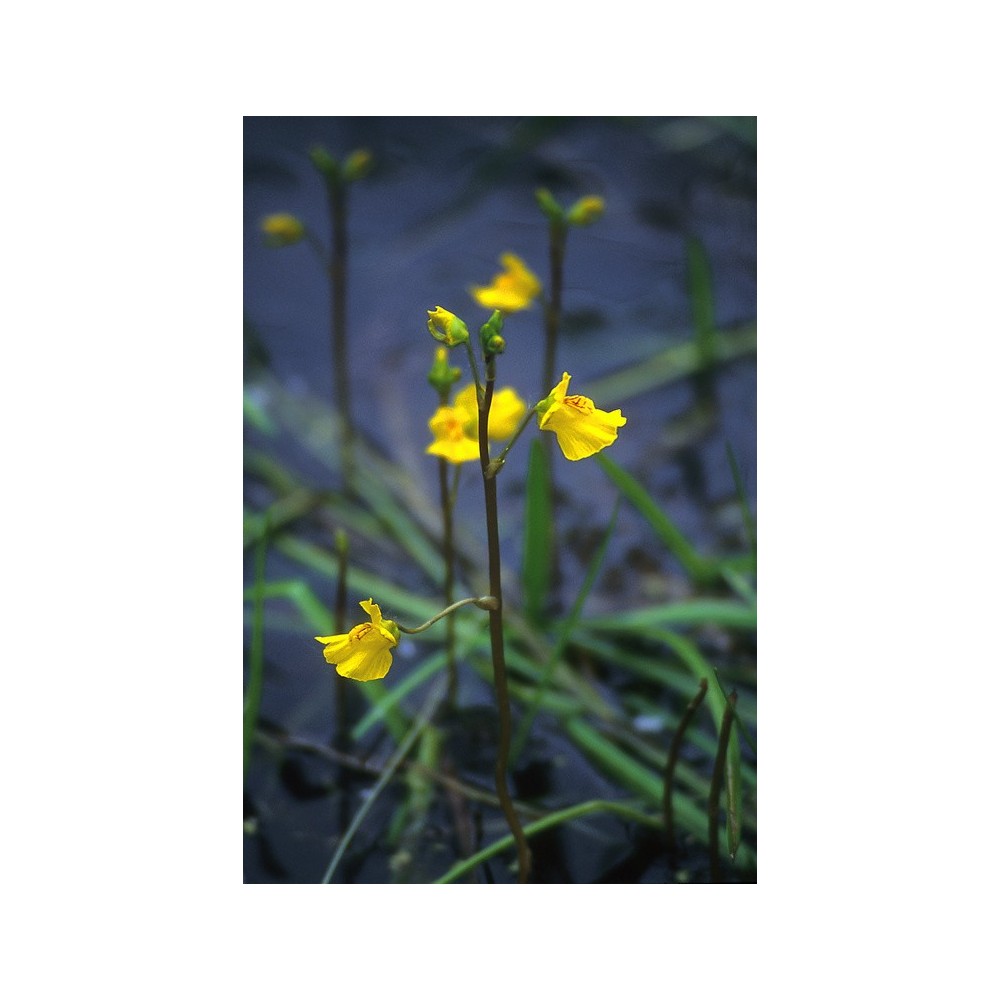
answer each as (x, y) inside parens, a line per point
(565, 631)
(700, 570)
(717, 703)
(741, 492)
(539, 826)
(724, 613)
(255, 683)
(388, 771)
(536, 563)
(671, 365)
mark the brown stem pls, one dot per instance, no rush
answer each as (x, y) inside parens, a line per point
(496, 629)
(449, 581)
(668, 772)
(341, 735)
(337, 196)
(553, 317)
(715, 788)
(553, 304)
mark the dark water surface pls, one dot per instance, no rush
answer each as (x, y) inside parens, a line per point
(446, 198)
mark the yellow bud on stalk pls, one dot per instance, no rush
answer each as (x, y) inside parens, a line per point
(586, 211)
(282, 230)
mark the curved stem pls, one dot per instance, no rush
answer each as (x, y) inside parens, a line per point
(496, 629)
(715, 788)
(474, 367)
(553, 819)
(668, 772)
(487, 603)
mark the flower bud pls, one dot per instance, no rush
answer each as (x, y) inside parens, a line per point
(446, 327)
(490, 329)
(549, 205)
(324, 162)
(282, 230)
(586, 211)
(357, 165)
(495, 345)
(443, 376)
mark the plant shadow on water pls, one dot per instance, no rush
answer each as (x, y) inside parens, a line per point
(659, 318)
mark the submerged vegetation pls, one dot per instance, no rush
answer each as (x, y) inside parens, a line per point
(617, 741)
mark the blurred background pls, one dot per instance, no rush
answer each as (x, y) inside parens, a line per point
(675, 249)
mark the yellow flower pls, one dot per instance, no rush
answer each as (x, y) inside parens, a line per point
(456, 428)
(363, 654)
(446, 327)
(513, 289)
(581, 429)
(282, 229)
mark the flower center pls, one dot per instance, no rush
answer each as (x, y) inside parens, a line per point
(580, 403)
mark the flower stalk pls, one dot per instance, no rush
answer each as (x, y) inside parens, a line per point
(553, 301)
(496, 628)
(668, 772)
(715, 789)
(497, 463)
(448, 544)
(337, 202)
(487, 603)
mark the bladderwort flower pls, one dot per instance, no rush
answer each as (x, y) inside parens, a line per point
(456, 428)
(515, 288)
(282, 229)
(581, 429)
(446, 327)
(363, 653)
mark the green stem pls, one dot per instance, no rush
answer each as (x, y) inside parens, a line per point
(497, 464)
(474, 367)
(255, 683)
(715, 788)
(496, 629)
(668, 771)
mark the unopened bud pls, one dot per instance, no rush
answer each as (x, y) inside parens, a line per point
(282, 230)
(357, 165)
(586, 211)
(490, 329)
(443, 376)
(495, 345)
(446, 327)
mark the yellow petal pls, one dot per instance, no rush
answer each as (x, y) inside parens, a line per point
(366, 665)
(506, 413)
(456, 452)
(337, 647)
(513, 289)
(468, 404)
(580, 428)
(372, 610)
